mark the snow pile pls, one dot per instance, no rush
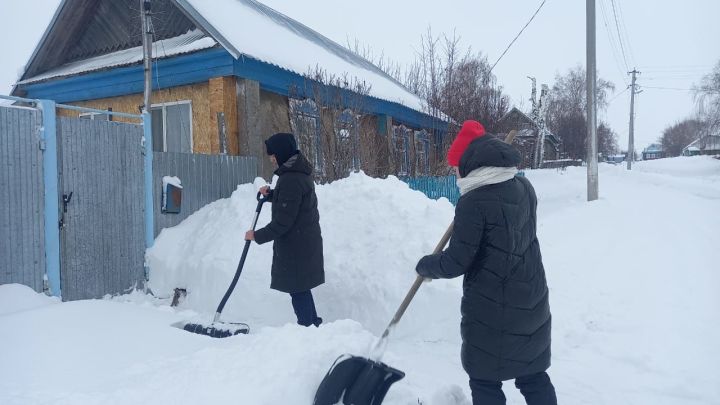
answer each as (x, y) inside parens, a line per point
(633, 280)
(17, 298)
(374, 232)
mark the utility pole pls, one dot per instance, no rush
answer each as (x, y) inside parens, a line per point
(592, 147)
(631, 143)
(147, 51)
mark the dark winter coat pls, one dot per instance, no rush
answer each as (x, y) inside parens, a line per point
(506, 320)
(295, 228)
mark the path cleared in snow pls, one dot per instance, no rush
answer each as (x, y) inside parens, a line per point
(633, 281)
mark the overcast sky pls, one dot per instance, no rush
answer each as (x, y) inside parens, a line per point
(672, 42)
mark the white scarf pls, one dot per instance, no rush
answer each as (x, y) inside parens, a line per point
(484, 176)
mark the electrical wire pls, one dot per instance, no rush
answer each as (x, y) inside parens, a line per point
(618, 95)
(517, 36)
(611, 40)
(617, 26)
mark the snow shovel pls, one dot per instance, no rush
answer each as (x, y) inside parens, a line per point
(362, 381)
(219, 329)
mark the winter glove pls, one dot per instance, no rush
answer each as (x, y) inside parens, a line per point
(422, 268)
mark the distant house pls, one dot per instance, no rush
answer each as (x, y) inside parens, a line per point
(654, 151)
(615, 159)
(706, 145)
(226, 75)
(527, 138)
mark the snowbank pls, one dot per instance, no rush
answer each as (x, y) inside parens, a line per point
(17, 298)
(633, 280)
(374, 232)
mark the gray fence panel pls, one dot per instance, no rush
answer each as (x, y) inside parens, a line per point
(205, 178)
(22, 243)
(102, 242)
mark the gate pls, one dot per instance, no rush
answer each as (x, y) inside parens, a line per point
(22, 247)
(101, 207)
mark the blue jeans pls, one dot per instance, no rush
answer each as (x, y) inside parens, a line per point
(304, 307)
(536, 388)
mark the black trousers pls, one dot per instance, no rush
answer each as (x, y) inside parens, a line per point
(536, 388)
(304, 307)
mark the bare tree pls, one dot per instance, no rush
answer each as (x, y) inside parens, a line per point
(676, 137)
(565, 113)
(327, 116)
(707, 94)
(607, 140)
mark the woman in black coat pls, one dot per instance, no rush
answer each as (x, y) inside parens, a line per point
(297, 265)
(506, 320)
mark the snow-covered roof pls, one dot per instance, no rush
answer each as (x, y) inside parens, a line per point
(192, 41)
(707, 142)
(655, 147)
(247, 27)
(527, 132)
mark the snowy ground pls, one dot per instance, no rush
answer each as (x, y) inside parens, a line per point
(633, 281)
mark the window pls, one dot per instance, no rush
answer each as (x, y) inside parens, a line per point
(401, 139)
(422, 152)
(172, 127)
(305, 122)
(348, 140)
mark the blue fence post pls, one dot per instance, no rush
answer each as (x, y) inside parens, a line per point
(51, 193)
(149, 214)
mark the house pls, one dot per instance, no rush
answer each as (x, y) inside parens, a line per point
(615, 159)
(654, 151)
(705, 145)
(226, 75)
(526, 139)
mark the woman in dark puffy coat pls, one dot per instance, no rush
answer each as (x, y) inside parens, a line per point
(506, 320)
(297, 265)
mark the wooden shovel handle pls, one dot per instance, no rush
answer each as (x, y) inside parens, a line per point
(419, 279)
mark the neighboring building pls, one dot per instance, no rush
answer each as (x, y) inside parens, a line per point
(527, 138)
(229, 73)
(706, 145)
(654, 151)
(615, 159)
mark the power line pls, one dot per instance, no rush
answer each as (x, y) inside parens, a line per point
(611, 40)
(518, 35)
(617, 26)
(627, 35)
(666, 88)
(618, 95)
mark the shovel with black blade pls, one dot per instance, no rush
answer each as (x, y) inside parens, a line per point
(354, 380)
(219, 329)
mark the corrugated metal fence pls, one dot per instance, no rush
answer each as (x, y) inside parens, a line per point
(205, 178)
(86, 179)
(22, 247)
(435, 187)
(102, 239)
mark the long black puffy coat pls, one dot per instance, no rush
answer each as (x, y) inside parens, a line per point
(295, 229)
(506, 319)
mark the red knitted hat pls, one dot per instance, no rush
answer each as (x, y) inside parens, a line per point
(469, 132)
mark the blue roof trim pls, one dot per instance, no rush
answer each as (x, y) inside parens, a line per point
(288, 83)
(203, 65)
(171, 72)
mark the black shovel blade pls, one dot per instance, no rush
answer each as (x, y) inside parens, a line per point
(357, 381)
(217, 330)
